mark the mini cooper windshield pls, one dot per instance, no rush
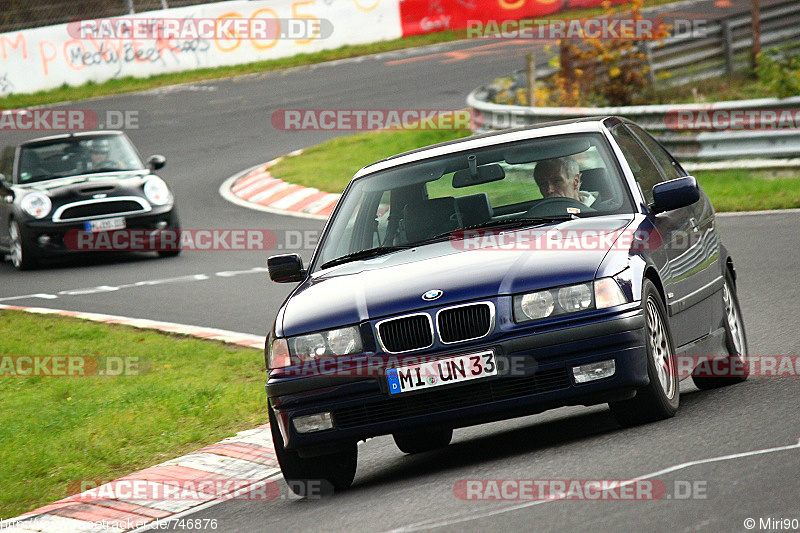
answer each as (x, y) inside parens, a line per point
(77, 155)
(510, 185)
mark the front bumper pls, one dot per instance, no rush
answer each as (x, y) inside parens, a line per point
(57, 245)
(538, 377)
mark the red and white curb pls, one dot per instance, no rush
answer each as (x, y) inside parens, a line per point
(244, 461)
(256, 188)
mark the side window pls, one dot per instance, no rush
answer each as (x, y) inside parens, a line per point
(644, 170)
(665, 161)
(7, 162)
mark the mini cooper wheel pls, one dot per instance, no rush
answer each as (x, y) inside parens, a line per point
(660, 398)
(734, 368)
(319, 475)
(20, 254)
(422, 441)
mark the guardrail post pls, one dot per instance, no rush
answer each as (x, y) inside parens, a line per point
(647, 48)
(530, 64)
(727, 36)
(131, 10)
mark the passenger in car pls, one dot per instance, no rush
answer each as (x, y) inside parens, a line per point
(561, 177)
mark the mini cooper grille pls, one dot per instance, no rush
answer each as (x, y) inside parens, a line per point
(463, 323)
(406, 333)
(100, 209)
(436, 401)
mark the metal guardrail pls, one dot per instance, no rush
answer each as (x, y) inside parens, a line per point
(705, 145)
(723, 49)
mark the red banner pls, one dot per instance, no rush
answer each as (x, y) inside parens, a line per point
(429, 16)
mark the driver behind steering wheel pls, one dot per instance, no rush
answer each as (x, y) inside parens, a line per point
(99, 150)
(561, 178)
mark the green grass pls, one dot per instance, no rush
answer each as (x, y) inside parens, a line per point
(330, 165)
(129, 84)
(57, 430)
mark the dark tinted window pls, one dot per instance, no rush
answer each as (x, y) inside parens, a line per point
(665, 161)
(644, 170)
(7, 162)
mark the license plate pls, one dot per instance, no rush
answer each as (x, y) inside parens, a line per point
(106, 224)
(441, 372)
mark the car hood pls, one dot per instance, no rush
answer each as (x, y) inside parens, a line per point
(463, 270)
(87, 184)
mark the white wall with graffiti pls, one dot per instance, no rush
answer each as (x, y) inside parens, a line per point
(207, 35)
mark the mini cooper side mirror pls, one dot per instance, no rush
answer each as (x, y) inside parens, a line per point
(154, 162)
(674, 194)
(285, 268)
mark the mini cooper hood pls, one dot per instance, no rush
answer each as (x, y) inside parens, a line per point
(463, 270)
(87, 184)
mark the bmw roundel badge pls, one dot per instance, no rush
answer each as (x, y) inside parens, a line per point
(432, 294)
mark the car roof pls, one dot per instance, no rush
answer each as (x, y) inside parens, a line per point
(72, 135)
(580, 125)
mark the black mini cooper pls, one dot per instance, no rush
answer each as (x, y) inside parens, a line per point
(53, 187)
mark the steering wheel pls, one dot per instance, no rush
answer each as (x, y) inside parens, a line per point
(556, 206)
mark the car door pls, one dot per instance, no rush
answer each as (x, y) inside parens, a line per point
(695, 259)
(676, 228)
(6, 194)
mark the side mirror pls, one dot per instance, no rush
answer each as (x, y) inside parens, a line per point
(154, 162)
(286, 268)
(674, 194)
(4, 181)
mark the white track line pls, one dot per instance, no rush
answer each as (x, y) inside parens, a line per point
(461, 517)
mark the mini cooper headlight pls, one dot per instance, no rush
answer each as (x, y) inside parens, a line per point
(156, 191)
(36, 204)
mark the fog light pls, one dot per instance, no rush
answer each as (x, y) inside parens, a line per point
(312, 423)
(593, 371)
(161, 225)
(44, 240)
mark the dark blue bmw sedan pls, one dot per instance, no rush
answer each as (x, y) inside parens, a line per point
(572, 263)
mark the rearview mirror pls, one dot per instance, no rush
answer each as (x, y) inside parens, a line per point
(154, 162)
(475, 175)
(674, 194)
(286, 268)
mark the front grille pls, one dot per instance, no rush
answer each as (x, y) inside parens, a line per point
(464, 322)
(406, 333)
(89, 209)
(502, 388)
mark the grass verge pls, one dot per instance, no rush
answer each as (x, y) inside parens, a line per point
(57, 430)
(330, 165)
(129, 84)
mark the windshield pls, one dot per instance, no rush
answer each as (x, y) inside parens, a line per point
(518, 183)
(80, 155)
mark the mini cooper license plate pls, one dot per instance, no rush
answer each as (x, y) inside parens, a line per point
(106, 224)
(441, 372)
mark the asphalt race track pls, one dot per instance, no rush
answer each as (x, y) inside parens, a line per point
(209, 131)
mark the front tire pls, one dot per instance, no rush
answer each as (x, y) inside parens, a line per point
(735, 365)
(422, 441)
(660, 398)
(310, 476)
(20, 251)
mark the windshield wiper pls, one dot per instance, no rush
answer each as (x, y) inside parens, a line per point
(363, 254)
(506, 222)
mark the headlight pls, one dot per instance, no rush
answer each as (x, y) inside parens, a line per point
(36, 204)
(334, 342)
(285, 352)
(157, 191)
(599, 294)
